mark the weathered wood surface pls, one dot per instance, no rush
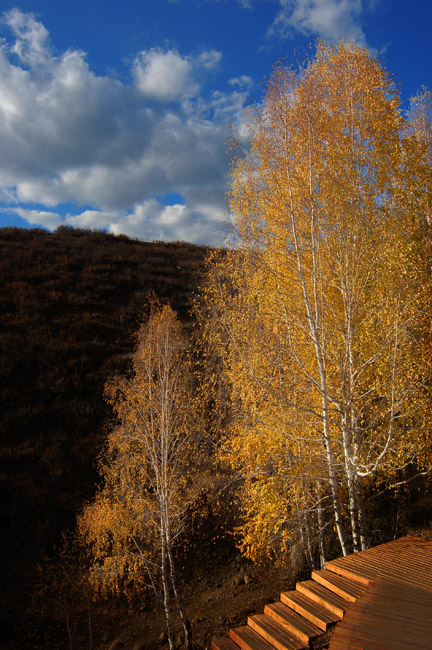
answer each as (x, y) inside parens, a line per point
(310, 610)
(395, 611)
(324, 597)
(298, 625)
(389, 615)
(379, 599)
(408, 559)
(348, 589)
(277, 635)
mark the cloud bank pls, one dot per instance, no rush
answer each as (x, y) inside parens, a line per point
(116, 148)
(143, 155)
(329, 19)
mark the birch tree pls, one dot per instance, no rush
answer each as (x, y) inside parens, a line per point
(149, 481)
(312, 311)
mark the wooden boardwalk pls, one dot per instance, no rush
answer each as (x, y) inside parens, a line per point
(395, 611)
(377, 599)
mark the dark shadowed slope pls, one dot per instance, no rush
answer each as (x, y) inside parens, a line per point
(70, 303)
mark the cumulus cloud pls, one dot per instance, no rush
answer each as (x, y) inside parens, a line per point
(39, 217)
(32, 39)
(165, 222)
(153, 219)
(241, 82)
(167, 76)
(329, 19)
(164, 76)
(70, 135)
(210, 59)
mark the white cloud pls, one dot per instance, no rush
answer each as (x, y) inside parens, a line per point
(241, 82)
(329, 19)
(164, 76)
(148, 220)
(32, 43)
(170, 222)
(210, 59)
(39, 217)
(69, 135)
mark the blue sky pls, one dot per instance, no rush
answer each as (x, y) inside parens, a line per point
(115, 115)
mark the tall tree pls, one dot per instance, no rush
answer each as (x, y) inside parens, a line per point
(416, 186)
(149, 481)
(420, 120)
(312, 311)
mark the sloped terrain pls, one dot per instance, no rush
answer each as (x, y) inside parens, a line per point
(375, 599)
(70, 303)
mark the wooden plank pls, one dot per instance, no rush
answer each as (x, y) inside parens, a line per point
(349, 572)
(274, 633)
(298, 625)
(310, 610)
(323, 597)
(371, 642)
(402, 606)
(352, 644)
(395, 612)
(400, 591)
(385, 592)
(223, 643)
(394, 565)
(367, 574)
(348, 644)
(357, 643)
(387, 623)
(408, 559)
(411, 618)
(247, 639)
(348, 589)
(417, 555)
(386, 629)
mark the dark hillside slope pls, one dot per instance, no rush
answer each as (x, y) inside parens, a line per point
(69, 306)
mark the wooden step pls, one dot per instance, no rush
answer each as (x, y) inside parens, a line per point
(348, 589)
(296, 624)
(323, 597)
(336, 566)
(312, 611)
(247, 639)
(274, 633)
(223, 643)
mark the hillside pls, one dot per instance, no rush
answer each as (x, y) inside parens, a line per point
(70, 303)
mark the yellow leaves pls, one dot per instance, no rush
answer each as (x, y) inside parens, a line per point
(312, 313)
(263, 534)
(148, 481)
(337, 124)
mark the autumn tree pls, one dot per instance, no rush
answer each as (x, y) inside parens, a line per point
(420, 120)
(312, 311)
(149, 478)
(417, 183)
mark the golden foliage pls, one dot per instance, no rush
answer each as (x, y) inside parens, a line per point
(148, 464)
(315, 313)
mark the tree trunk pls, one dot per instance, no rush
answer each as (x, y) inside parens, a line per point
(184, 619)
(320, 529)
(166, 592)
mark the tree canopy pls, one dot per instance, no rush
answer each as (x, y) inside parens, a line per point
(319, 311)
(137, 517)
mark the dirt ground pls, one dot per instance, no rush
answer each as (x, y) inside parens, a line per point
(220, 590)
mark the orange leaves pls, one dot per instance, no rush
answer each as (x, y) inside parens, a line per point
(139, 511)
(316, 321)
